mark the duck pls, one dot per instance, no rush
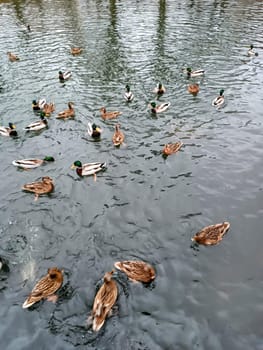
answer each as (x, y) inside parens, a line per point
(88, 168)
(193, 74)
(160, 89)
(104, 301)
(38, 105)
(251, 51)
(136, 270)
(219, 100)
(31, 163)
(193, 89)
(76, 50)
(108, 115)
(40, 187)
(45, 287)
(94, 131)
(38, 125)
(211, 235)
(171, 148)
(118, 136)
(64, 76)
(8, 131)
(68, 113)
(160, 108)
(12, 57)
(128, 94)
(48, 108)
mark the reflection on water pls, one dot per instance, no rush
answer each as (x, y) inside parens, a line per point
(142, 206)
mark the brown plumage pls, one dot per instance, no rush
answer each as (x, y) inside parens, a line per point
(193, 89)
(211, 235)
(118, 136)
(76, 50)
(104, 301)
(68, 113)
(136, 270)
(108, 115)
(48, 108)
(46, 287)
(171, 148)
(40, 187)
(12, 57)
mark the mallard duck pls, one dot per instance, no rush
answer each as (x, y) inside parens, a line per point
(68, 113)
(196, 73)
(160, 89)
(12, 57)
(160, 108)
(48, 108)
(45, 288)
(171, 148)
(118, 136)
(8, 131)
(76, 50)
(37, 125)
(108, 115)
(251, 51)
(219, 100)
(128, 94)
(40, 187)
(136, 270)
(193, 89)
(88, 168)
(38, 105)
(64, 76)
(211, 235)
(94, 131)
(32, 163)
(104, 301)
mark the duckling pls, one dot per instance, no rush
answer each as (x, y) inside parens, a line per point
(136, 270)
(76, 50)
(12, 57)
(219, 100)
(160, 108)
(48, 108)
(211, 235)
(118, 136)
(88, 168)
(193, 89)
(171, 148)
(38, 105)
(64, 76)
(160, 89)
(104, 301)
(193, 74)
(251, 51)
(68, 113)
(94, 131)
(108, 115)
(32, 163)
(8, 131)
(128, 94)
(40, 187)
(38, 125)
(45, 287)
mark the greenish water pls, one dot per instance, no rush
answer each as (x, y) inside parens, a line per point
(143, 206)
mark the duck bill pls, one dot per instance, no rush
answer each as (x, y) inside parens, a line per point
(73, 166)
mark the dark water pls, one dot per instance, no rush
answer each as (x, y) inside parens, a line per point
(143, 206)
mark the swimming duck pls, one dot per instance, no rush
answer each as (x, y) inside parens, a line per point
(128, 94)
(45, 287)
(251, 51)
(32, 163)
(94, 131)
(108, 115)
(160, 89)
(76, 50)
(48, 108)
(64, 76)
(219, 100)
(38, 125)
(68, 113)
(38, 105)
(211, 235)
(88, 168)
(40, 187)
(8, 131)
(104, 301)
(118, 136)
(193, 89)
(12, 57)
(136, 270)
(160, 108)
(196, 73)
(171, 148)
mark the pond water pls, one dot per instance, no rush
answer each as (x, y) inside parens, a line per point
(143, 206)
